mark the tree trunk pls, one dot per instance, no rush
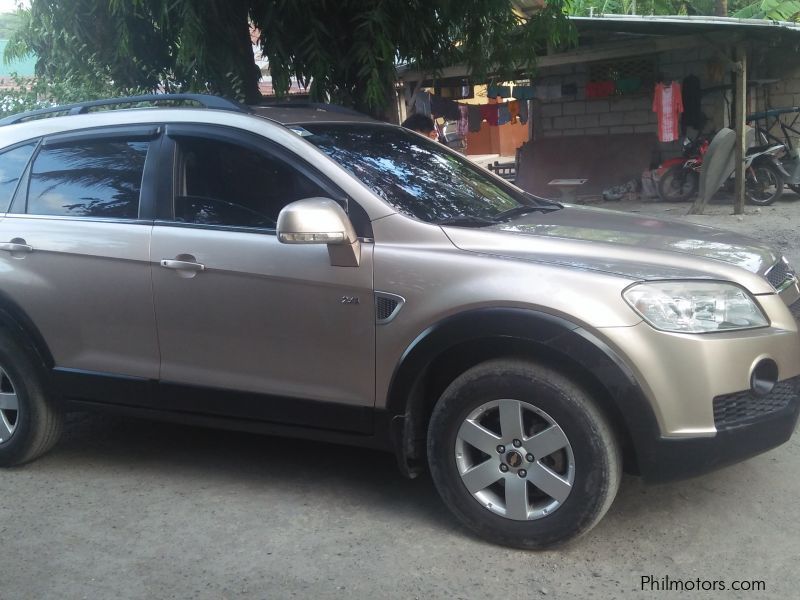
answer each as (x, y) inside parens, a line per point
(245, 66)
(230, 64)
(721, 8)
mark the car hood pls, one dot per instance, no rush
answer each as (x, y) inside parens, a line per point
(634, 246)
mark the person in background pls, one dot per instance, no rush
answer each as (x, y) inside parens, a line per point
(421, 124)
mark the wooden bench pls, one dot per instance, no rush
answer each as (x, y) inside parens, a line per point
(567, 187)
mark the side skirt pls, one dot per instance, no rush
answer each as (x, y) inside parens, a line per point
(218, 408)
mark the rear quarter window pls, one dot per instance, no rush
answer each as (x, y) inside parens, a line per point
(12, 166)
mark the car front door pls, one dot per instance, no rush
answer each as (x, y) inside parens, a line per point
(249, 327)
(74, 252)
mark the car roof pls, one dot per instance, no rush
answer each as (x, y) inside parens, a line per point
(295, 114)
(22, 127)
(285, 113)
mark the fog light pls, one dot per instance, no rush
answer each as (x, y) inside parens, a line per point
(764, 377)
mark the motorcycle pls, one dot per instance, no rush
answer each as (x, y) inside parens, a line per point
(764, 175)
(781, 126)
(679, 178)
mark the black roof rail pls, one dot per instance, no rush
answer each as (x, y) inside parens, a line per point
(314, 105)
(204, 100)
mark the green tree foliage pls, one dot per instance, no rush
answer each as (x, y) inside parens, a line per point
(8, 25)
(777, 10)
(346, 50)
(350, 51)
(644, 7)
(27, 94)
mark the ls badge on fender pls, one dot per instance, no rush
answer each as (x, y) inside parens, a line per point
(350, 300)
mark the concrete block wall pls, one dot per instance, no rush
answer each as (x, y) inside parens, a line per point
(579, 116)
(776, 64)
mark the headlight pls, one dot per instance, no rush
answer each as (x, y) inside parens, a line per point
(694, 306)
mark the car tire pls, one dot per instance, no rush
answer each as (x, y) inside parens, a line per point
(581, 478)
(30, 421)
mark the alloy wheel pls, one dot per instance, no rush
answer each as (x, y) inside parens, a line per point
(515, 459)
(9, 407)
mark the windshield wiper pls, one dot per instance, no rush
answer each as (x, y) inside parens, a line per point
(542, 201)
(524, 210)
(466, 221)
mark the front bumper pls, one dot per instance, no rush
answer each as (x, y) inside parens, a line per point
(681, 374)
(747, 425)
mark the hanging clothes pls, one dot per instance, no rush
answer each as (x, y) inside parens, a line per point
(600, 89)
(489, 114)
(569, 89)
(691, 93)
(444, 107)
(513, 109)
(474, 118)
(524, 92)
(498, 91)
(463, 120)
(422, 103)
(503, 114)
(631, 85)
(523, 111)
(668, 105)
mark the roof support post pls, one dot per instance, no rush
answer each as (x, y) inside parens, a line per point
(740, 95)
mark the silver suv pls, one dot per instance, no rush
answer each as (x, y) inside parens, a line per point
(306, 271)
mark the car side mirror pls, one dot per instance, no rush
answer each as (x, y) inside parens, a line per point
(320, 221)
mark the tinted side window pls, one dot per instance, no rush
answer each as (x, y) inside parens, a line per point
(12, 165)
(220, 183)
(100, 178)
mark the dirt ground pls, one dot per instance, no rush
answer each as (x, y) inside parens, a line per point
(124, 508)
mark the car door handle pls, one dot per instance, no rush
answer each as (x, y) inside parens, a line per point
(15, 247)
(182, 265)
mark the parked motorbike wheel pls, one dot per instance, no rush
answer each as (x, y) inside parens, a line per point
(764, 184)
(678, 184)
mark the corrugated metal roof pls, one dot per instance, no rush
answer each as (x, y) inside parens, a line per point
(678, 24)
(642, 28)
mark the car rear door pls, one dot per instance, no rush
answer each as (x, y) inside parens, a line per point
(249, 327)
(74, 253)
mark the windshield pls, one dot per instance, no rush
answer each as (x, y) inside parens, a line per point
(417, 176)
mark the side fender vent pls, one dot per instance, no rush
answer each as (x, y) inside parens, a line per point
(387, 306)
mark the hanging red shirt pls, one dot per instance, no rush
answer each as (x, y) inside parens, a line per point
(668, 105)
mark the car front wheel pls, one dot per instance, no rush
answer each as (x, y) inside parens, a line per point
(521, 455)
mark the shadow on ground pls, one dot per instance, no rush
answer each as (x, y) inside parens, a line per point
(264, 463)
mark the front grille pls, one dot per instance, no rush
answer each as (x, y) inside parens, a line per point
(779, 273)
(742, 408)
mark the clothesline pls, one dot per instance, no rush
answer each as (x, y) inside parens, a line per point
(471, 116)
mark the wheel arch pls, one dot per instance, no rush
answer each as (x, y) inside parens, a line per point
(17, 323)
(455, 344)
